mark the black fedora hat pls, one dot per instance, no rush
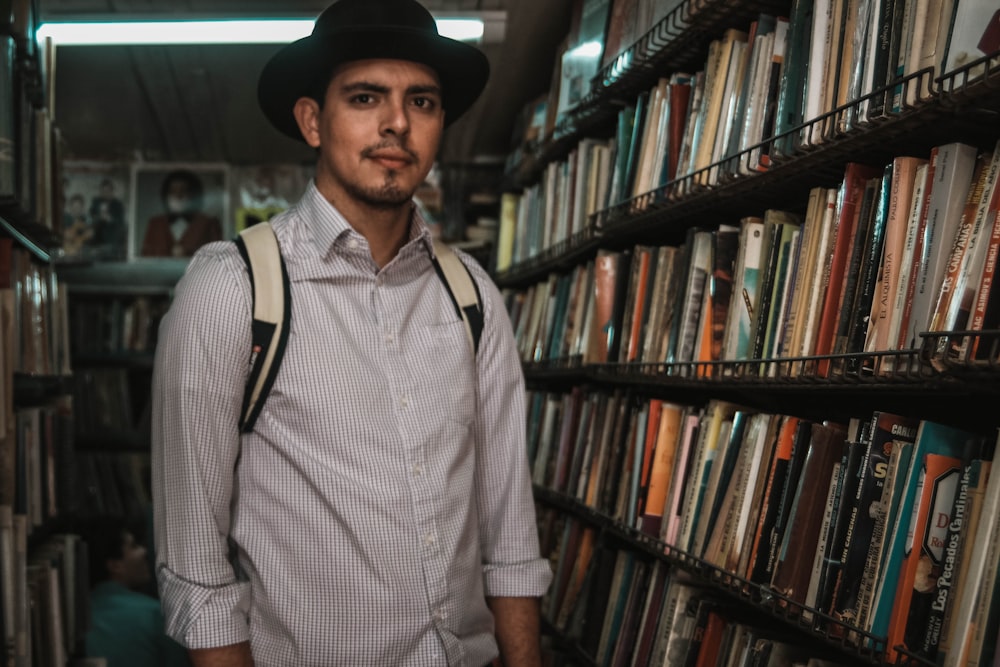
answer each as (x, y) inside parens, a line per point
(360, 29)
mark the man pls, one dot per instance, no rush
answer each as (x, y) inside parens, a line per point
(183, 228)
(380, 512)
(126, 625)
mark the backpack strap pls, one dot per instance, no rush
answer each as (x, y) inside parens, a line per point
(462, 289)
(272, 312)
(272, 308)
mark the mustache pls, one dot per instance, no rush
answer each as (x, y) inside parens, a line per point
(383, 145)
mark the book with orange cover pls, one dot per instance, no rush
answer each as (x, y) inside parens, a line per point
(904, 172)
(759, 568)
(924, 554)
(665, 451)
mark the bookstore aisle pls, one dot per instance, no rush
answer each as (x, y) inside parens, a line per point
(43, 580)
(748, 250)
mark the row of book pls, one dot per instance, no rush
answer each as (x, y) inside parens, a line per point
(109, 402)
(29, 139)
(44, 595)
(115, 326)
(893, 252)
(694, 130)
(34, 313)
(35, 462)
(624, 608)
(881, 526)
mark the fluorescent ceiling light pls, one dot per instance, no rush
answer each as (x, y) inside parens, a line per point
(277, 31)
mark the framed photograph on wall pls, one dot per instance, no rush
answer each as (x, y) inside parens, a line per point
(260, 192)
(96, 198)
(178, 207)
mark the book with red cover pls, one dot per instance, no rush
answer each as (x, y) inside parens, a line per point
(856, 175)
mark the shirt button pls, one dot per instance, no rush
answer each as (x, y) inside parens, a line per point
(440, 614)
(418, 470)
(429, 540)
(404, 401)
(352, 244)
(389, 338)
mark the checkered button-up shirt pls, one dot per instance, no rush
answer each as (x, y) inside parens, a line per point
(384, 491)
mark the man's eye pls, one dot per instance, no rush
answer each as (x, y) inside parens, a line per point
(424, 102)
(363, 98)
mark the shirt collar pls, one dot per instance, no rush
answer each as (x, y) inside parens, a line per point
(331, 230)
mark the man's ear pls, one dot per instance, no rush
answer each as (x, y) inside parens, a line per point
(306, 111)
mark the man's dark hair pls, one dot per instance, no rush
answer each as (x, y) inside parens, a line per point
(105, 538)
(187, 177)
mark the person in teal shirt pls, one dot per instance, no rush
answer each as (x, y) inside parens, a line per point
(126, 625)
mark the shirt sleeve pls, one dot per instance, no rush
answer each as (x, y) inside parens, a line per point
(512, 565)
(202, 352)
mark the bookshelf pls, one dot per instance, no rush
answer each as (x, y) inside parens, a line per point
(43, 611)
(114, 314)
(940, 105)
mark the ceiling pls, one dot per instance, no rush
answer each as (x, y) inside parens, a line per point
(198, 103)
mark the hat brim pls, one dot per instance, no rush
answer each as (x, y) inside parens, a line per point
(295, 70)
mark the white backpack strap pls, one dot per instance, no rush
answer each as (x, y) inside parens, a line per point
(271, 315)
(463, 290)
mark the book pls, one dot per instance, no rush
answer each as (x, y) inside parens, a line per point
(624, 642)
(974, 472)
(725, 250)
(742, 492)
(674, 508)
(987, 302)
(779, 227)
(702, 457)
(923, 555)
(721, 61)
(830, 569)
(820, 281)
(958, 309)
(932, 438)
(717, 498)
(652, 613)
(904, 174)
(970, 526)
(975, 594)
(867, 237)
(794, 564)
(789, 114)
(884, 434)
(609, 277)
(902, 302)
(699, 269)
(852, 190)
(667, 440)
(966, 250)
(760, 564)
(746, 283)
(753, 502)
(951, 168)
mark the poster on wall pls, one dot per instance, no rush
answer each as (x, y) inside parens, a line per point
(262, 191)
(178, 208)
(96, 198)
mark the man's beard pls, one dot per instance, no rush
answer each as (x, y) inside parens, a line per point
(388, 196)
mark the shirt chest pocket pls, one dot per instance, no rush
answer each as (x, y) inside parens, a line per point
(445, 370)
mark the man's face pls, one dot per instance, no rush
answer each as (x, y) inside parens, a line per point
(132, 569)
(378, 132)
